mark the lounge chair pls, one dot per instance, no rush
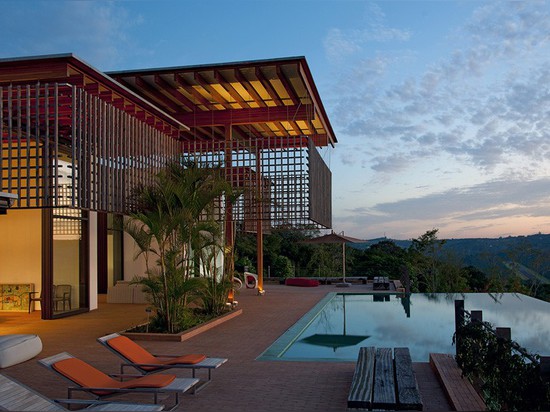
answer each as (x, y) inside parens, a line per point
(137, 357)
(96, 383)
(14, 396)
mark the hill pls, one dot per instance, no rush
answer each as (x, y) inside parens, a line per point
(527, 255)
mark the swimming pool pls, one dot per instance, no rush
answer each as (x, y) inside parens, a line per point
(340, 324)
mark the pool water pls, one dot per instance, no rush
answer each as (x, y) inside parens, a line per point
(340, 324)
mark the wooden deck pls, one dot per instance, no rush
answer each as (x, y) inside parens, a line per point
(461, 394)
(244, 383)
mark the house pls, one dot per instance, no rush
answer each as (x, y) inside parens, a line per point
(76, 141)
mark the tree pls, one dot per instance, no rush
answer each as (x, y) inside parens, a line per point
(426, 250)
(174, 224)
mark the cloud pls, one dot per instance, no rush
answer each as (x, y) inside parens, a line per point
(342, 43)
(95, 31)
(494, 204)
(485, 103)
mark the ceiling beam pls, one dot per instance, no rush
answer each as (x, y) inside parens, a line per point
(249, 88)
(312, 95)
(268, 87)
(161, 99)
(245, 116)
(230, 89)
(288, 87)
(194, 92)
(167, 87)
(213, 92)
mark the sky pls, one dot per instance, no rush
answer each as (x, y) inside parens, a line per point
(441, 108)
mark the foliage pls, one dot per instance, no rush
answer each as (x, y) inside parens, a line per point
(285, 241)
(426, 250)
(175, 231)
(382, 259)
(325, 260)
(431, 264)
(282, 267)
(509, 380)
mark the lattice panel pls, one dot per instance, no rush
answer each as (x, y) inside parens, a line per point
(273, 174)
(108, 150)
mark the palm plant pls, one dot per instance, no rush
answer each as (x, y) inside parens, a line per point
(174, 224)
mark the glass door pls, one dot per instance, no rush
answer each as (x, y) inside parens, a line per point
(70, 274)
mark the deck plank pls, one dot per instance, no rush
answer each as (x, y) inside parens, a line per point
(384, 386)
(360, 394)
(460, 392)
(408, 394)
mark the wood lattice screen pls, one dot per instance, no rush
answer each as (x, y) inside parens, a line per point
(286, 177)
(64, 147)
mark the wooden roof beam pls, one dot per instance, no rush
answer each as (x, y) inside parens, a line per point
(213, 92)
(331, 140)
(268, 87)
(246, 116)
(155, 94)
(288, 87)
(195, 93)
(228, 87)
(163, 84)
(249, 88)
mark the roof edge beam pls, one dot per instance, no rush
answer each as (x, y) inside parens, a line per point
(246, 116)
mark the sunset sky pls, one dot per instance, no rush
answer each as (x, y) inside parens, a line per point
(441, 108)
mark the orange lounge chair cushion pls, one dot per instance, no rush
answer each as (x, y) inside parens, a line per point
(137, 354)
(87, 376)
(189, 359)
(132, 351)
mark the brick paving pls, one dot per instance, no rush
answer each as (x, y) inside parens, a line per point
(243, 383)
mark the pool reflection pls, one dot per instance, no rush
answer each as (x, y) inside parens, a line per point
(422, 322)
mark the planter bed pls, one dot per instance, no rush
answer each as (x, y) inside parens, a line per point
(187, 334)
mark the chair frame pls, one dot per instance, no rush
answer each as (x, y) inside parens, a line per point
(178, 385)
(23, 398)
(66, 298)
(209, 363)
(32, 299)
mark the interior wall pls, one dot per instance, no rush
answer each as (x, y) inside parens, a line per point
(132, 267)
(92, 230)
(21, 247)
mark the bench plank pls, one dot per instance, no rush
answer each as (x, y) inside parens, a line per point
(384, 386)
(408, 394)
(460, 392)
(360, 394)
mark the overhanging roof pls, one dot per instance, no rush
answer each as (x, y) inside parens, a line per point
(272, 98)
(69, 69)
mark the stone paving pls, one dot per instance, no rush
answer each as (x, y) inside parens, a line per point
(243, 383)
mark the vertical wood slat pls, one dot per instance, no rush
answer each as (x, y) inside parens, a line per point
(57, 192)
(10, 133)
(47, 177)
(74, 138)
(19, 132)
(110, 150)
(2, 166)
(28, 143)
(39, 192)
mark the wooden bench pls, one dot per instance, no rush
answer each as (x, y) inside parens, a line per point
(381, 282)
(375, 385)
(461, 394)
